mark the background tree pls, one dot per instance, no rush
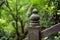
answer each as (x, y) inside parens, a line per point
(14, 17)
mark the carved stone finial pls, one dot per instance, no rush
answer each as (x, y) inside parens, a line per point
(34, 11)
(34, 17)
(34, 26)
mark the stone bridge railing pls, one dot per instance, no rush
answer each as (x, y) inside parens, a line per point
(34, 30)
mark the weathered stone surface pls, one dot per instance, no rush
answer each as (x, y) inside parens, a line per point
(34, 26)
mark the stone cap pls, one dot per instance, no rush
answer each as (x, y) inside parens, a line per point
(34, 16)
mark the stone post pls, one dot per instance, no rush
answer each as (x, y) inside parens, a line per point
(34, 26)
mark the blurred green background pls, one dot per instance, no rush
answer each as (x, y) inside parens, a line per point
(14, 17)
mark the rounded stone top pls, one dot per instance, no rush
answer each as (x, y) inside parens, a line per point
(34, 11)
(34, 16)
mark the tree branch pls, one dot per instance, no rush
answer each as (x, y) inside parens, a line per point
(2, 3)
(14, 17)
(11, 11)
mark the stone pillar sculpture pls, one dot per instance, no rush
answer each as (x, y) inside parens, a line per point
(34, 26)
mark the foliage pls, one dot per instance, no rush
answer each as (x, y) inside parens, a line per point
(14, 17)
